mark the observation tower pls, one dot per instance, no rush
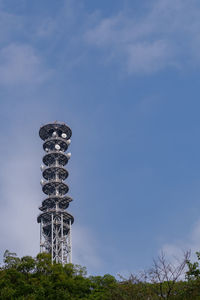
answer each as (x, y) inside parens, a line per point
(55, 221)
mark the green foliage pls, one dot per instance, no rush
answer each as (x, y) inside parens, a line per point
(37, 279)
(43, 263)
(11, 260)
(193, 269)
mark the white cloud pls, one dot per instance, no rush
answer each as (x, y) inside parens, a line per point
(166, 35)
(147, 57)
(9, 25)
(85, 250)
(19, 200)
(19, 64)
(190, 243)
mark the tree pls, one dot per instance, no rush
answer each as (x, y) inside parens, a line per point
(27, 264)
(43, 263)
(164, 275)
(193, 269)
(10, 259)
(39, 279)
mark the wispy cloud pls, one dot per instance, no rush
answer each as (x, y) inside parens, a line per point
(166, 35)
(20, 64)
(85, 248)
(190, 243)
(19, 199)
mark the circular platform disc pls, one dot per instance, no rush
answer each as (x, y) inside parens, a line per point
(50, 158)
(46, 216)
(51, 186)
(46, 131)
(50, 173)
(52, 142)
(49, 203)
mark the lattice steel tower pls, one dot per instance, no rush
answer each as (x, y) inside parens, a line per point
(55, 221)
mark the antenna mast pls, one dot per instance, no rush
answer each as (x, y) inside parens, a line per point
(55, 221)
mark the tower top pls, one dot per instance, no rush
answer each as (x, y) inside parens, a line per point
(47, 130)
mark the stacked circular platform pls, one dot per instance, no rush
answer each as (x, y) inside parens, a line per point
(56, 137)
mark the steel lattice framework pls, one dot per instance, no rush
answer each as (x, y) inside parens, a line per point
(55, 221)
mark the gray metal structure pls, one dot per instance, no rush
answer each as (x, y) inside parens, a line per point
(55, 221)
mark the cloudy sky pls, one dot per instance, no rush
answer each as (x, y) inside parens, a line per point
(124, 75)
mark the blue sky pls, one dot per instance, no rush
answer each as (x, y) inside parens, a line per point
(124, 75)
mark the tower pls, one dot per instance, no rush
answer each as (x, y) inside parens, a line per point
(55, 221)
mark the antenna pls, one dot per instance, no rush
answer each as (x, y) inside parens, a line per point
(55, 221)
